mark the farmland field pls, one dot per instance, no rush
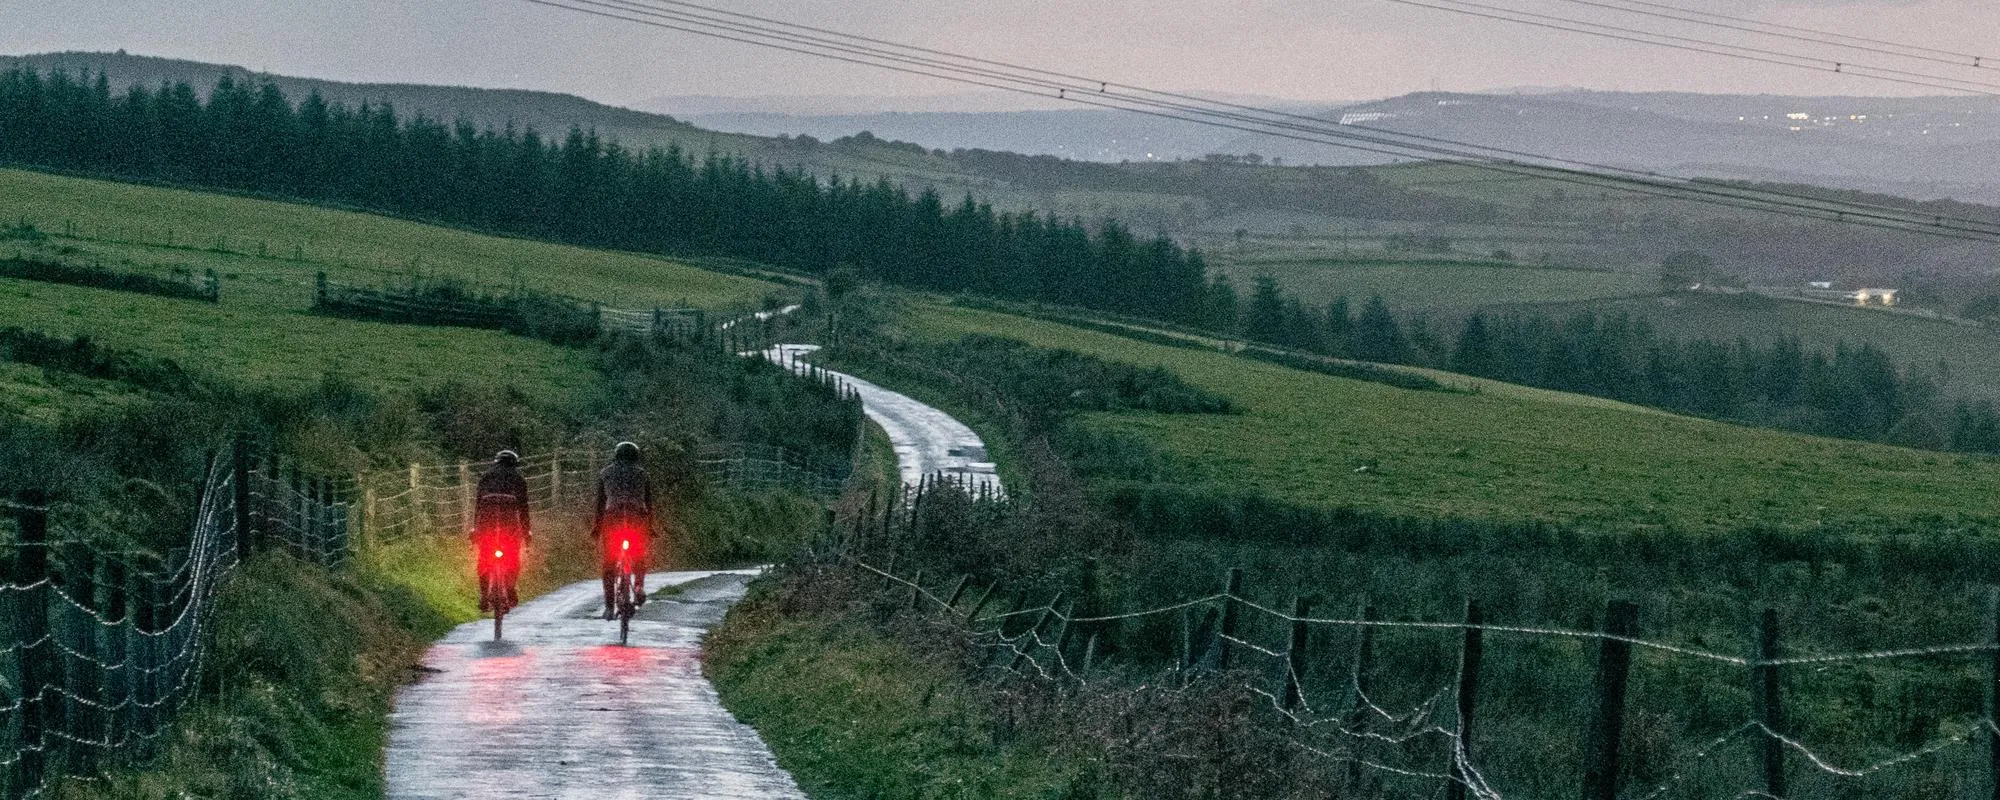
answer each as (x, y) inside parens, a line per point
(1435, 286)
(266, 254)
(1506, 452)
(285, 243)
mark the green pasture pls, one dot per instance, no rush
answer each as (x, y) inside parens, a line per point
(1505, 452)
(285, 244)
(1434, 285)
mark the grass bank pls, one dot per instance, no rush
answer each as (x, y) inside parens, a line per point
(853, 713)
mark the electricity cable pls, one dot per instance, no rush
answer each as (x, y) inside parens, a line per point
(1321, 132)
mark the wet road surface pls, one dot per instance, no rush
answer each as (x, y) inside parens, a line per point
(560, 710)
(928, 441)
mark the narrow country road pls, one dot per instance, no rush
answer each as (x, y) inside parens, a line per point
(928, 441)
(560, 710)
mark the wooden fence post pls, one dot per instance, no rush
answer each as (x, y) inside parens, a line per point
(980, 604)
(464, 497)
(916, 589)
(1468, 692)
(1364, 658)
(37, 667)
(1764, 693)
(957, 591)
(111, 587)
(239, 475)
(1231, 611)
(84, 681)
(1295, 657)
(1607, 730)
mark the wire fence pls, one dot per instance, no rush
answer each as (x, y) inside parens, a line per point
(439, 498)
(1429, 747)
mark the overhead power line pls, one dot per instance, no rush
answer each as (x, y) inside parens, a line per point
(1691, 44)
(1952, 57)
(988, 73)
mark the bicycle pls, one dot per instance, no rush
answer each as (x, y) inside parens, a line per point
(501, 573)
(625, 590)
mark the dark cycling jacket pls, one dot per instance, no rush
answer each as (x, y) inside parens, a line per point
(502, 503)
(623, 490)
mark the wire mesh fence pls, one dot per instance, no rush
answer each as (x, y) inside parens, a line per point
(1454, 726)
(439, 498)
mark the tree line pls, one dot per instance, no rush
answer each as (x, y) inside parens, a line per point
(583, 190)
(1855, 391)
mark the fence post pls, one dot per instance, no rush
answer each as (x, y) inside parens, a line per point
(1295, 657)
(37, 669)
(111, 586)
(980, 604)
(239, 475)
(1764, 693)
(1468, 692)
(1993, 691)
(957, 591)
(464, 497)
(135, 648)
(916, 589)
(85, 682)
(367, 521)
(1364, 658)
(1231, 610)
(555, 479)
(1614, 662)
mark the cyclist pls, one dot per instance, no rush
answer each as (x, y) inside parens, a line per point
(624, 515)
(500, 528)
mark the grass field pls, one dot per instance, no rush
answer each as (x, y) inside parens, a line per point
(1507, 452)
(1971, 354)
(284, 244)
(1434, 286)
(267, 254)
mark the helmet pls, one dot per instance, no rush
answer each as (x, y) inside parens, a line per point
(507, 458)
(626, 451)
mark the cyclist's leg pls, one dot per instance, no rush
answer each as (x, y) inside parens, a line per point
(513, 570)
(485, 573)
(639, 566)
(609, 567)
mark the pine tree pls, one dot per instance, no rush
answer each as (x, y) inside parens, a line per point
(1378, 337)
(1474, 353)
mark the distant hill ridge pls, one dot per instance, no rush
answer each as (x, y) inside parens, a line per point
(497, 108)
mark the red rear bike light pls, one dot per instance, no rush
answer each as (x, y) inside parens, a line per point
(499, 554)
(625, 544)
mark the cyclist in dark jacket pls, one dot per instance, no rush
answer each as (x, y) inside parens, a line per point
(500, 526)
(624, 519)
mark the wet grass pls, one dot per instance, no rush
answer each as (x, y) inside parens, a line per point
(852, 714)
(1505, 452)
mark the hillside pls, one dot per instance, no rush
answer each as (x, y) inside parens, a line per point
(267, 254)
(550, 113)
(1507, 452)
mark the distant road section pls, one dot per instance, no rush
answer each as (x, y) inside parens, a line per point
(559, 710)
(927, 441)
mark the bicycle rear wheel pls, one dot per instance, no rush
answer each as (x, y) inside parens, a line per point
(626, 606)
(497, 617)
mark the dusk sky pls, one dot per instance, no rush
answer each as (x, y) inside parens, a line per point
(1301, 49)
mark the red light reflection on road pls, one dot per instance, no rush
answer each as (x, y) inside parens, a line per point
(497, 683)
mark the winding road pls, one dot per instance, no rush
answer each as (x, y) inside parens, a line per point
(928, 442)
(560, 710)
